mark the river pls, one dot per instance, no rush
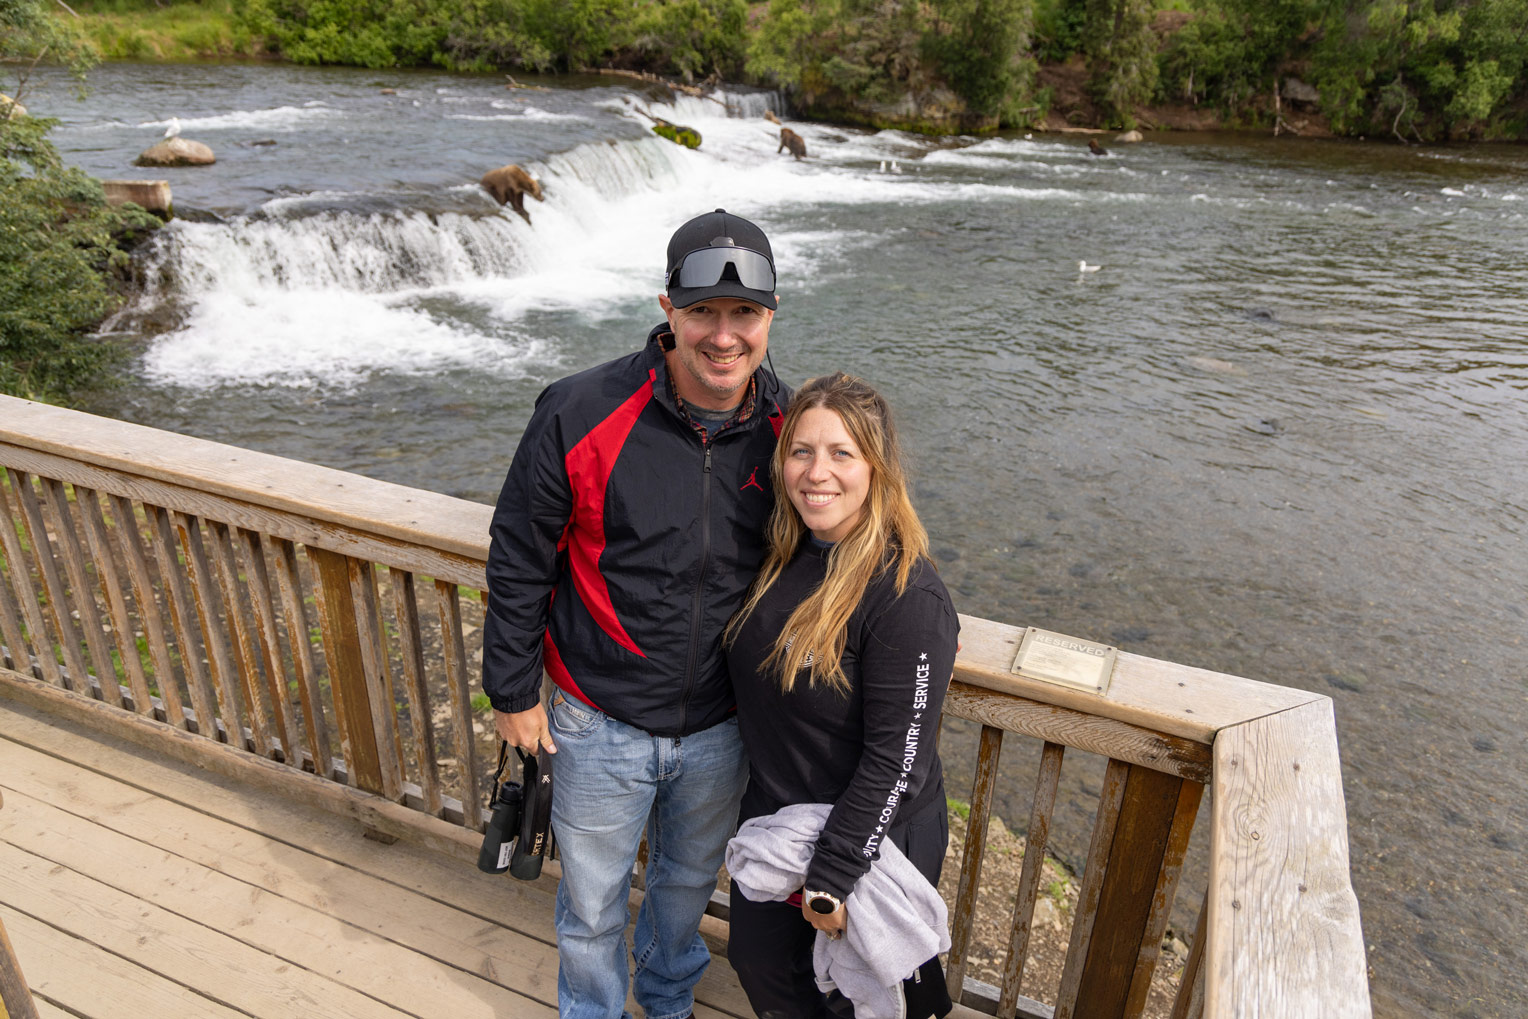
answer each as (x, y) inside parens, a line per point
(1280, 433)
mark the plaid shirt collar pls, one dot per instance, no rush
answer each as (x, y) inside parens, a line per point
(743, 413)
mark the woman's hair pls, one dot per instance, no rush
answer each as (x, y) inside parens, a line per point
(887, 536)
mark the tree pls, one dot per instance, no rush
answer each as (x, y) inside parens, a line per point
(982, 49)
(59, 240)
(1122, 56)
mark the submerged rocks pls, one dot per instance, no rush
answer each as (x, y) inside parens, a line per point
(177, 152)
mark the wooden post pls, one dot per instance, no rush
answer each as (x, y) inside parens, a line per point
(347, 670)
(1283, 932)
(1127, 891)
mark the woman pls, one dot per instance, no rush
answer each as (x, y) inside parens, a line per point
(840, 658)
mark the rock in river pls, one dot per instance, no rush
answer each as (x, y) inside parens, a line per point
(177, 152)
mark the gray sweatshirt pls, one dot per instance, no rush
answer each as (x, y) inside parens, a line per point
(896, 920)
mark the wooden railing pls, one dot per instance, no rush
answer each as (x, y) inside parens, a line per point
(304, 628)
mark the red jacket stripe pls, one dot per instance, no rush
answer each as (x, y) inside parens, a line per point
(589, 465)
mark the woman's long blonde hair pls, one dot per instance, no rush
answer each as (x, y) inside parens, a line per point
(887, 537)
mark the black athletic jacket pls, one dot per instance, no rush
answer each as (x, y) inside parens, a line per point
(871, 752)
(622, 544)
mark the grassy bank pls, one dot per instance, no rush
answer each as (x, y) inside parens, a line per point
(145, 30)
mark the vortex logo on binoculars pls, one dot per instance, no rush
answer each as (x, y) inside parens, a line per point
(518, 837)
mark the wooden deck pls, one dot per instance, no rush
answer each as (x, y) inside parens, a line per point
(136, 886)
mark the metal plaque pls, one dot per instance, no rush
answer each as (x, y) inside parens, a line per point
(1066, 661)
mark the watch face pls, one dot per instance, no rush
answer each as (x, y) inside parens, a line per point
(821, 904)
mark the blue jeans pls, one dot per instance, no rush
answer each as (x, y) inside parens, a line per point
(613, 781)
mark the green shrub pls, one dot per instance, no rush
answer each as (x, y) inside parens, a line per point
(60, 244)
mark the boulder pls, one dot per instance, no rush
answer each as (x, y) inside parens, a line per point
(10, 107)
(1297, 91)
(676, 133)
(177, 152)
(1129, 137)
(153, 195)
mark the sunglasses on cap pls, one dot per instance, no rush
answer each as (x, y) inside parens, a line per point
(704, 267)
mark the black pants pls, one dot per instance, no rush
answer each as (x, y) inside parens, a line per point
(770, 943)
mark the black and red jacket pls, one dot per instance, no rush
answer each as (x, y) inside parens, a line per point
(622, 544)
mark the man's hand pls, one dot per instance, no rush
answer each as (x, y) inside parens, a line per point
(525, 729)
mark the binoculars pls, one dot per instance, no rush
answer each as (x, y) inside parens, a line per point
(518, 836)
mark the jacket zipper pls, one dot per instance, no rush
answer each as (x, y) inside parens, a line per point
(700, 581)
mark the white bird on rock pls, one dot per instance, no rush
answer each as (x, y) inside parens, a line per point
(174, 129)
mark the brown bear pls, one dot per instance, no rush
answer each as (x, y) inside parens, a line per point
(769, 115)
(511, 184)
(791, 140)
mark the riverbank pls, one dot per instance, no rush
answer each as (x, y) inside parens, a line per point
(213, 30)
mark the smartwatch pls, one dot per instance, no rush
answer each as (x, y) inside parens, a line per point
(823, 902)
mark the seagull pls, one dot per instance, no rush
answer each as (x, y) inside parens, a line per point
(883, 166)
(894, 167)
(173, 129)
(1083, 267)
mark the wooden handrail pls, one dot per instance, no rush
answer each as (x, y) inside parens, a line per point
(324, 669)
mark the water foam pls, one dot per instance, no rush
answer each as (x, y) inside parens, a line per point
(281, 118)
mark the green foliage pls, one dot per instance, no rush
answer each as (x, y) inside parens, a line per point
(1058, 29)
(1419, 69)
(981, 49)
(1122, 56)
(164, 29)
(59, 243)
(692, 38)
(58, 238)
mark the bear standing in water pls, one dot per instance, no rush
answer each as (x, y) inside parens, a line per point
(791, 140)
(510, 184)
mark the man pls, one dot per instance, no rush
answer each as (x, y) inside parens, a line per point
(627, 531)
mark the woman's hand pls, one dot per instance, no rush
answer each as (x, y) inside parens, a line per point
(832, 924)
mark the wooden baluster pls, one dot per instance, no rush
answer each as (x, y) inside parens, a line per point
(1174, 848)
(258, 581)
(22, 581)
(1139, 814)
(131, 543)
(289, 581)
(58, 602)
(406, 608)
(97, 535)
(1189, 1004)
(261, 735)
(213, 639)
(56, 505)
(971, 860)
(447, 600)
(1109, 800)
(379, 676)
(15, 997)
(186, 640)
(10, 625)
(1035, 840)
(347, 669)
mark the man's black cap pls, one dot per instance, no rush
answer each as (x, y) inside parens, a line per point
(716, 229)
